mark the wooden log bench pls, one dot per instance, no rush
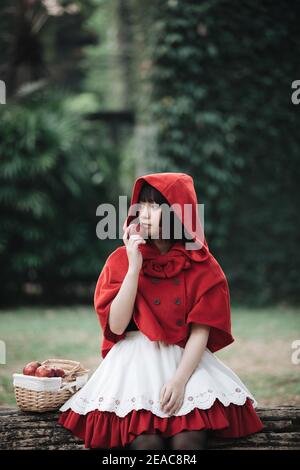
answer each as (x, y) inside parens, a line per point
(27, 431)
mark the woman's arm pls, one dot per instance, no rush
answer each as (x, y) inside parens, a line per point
(193, 351)
(172, 393)
(121, 308)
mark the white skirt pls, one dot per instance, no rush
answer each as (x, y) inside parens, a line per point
(133, 372)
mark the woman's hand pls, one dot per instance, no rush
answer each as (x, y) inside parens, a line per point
(132, 242)
(171, 396)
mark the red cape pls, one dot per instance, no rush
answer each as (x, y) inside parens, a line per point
(174, 289)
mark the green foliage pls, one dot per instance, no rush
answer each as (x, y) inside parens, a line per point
(55, 170)
(221, 98)
(210, 87)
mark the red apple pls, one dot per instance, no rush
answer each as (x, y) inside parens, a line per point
(31, 367)
(44, 371)
(137, 229)
(59, 372)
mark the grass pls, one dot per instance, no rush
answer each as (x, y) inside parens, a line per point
(260, 355)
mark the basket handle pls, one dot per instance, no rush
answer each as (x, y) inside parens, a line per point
(74, 369)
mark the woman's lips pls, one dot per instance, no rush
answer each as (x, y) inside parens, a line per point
(145, 230)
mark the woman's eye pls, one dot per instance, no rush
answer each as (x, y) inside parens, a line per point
(153, 205)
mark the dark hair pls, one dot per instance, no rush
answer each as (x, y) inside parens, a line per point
(150, 194)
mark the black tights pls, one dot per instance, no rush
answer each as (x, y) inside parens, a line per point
(185, 440)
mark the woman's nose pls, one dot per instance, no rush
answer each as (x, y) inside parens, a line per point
(144, 213)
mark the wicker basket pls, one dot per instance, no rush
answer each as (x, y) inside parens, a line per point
(31, 392)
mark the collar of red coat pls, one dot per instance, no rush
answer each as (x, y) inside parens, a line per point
(171, 263)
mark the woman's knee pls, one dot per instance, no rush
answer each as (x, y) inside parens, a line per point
(189, 440)
(148, 442)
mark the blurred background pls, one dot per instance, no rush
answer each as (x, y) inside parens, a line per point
(99, 92)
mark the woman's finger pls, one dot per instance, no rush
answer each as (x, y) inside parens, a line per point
(166, 396)
(125, 236)
(176, 407)
(168, 401)
(162, 392)
(136, 241)
(135, 237)
(171, 402)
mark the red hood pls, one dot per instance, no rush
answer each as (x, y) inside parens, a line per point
(178, 189)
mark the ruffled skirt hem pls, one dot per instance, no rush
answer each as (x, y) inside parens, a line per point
(105, 429)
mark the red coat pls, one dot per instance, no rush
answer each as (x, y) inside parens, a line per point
(174, 289)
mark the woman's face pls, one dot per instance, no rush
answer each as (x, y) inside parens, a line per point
(149, 218)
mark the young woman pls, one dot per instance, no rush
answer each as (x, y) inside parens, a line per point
(164, 307)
